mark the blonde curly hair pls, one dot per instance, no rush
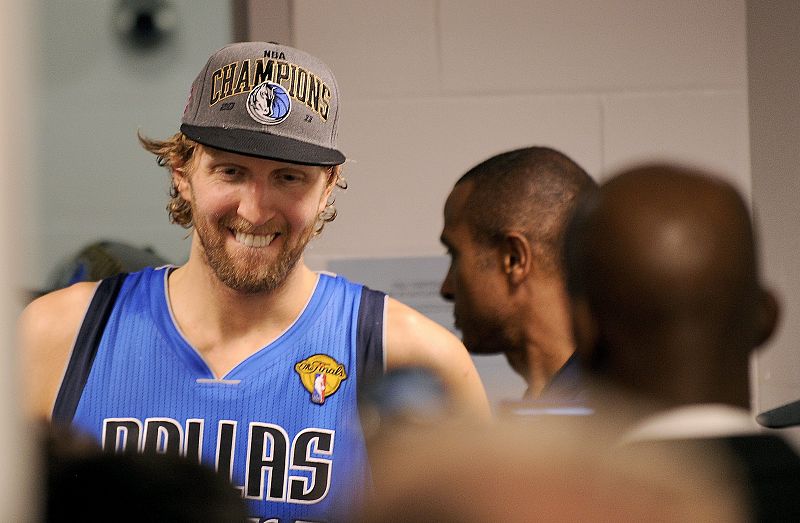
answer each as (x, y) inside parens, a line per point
(178, 151)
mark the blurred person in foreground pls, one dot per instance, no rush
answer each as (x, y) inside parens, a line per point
(667, 308)
(508, 473)
(83, 483)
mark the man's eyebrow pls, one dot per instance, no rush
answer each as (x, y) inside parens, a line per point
(220, 154)
(224, 163)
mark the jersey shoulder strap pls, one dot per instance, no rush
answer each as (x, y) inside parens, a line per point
(85, 349)
(369, 338)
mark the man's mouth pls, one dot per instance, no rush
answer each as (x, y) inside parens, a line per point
(254, 240)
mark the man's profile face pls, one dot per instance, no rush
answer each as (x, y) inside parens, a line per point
(474, 281)
(254, 217)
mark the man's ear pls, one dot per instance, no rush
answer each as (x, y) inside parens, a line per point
(180, 181)
(517, 256)
(767, 317)
(330, 185)
(326, 195)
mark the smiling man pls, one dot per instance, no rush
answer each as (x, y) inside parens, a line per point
(243, 358)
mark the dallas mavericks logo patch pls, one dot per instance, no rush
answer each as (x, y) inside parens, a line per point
(269, 103)
(321, 376)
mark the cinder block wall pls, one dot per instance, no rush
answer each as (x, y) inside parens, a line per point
(431, 87)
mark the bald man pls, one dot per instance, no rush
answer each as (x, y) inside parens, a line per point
(667, 304)
(503, 226)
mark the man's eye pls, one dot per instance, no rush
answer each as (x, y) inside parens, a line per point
(230, 172)
(290, 177)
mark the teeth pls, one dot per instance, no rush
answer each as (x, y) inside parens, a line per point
(254, 240)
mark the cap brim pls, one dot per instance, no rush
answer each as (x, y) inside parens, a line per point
(263, 145)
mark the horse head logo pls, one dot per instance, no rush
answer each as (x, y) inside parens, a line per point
(268, 103)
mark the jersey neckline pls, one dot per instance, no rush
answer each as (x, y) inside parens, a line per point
(261, 358)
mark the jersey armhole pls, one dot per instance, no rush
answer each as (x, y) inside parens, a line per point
(370, 338)
(85, 348)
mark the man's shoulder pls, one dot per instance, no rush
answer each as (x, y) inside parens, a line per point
(59, 303)
(333, 276)
(74, 300)
(409, 321)
(413, 339)
(53, 319)
(766, 465)
(46, 331)
(566, 384)
(337, 279)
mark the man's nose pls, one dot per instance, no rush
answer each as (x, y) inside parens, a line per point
(446, 290)
(255, 202)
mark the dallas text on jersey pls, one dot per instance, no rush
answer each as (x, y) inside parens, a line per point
(275, 471)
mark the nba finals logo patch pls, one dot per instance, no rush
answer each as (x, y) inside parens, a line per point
(268, 103)
(321, 376)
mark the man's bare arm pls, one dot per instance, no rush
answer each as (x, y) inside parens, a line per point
(47, 330)
(413, 340)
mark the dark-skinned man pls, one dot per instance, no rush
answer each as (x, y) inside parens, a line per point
(667, 307)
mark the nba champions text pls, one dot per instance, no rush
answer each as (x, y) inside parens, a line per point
(241, 77)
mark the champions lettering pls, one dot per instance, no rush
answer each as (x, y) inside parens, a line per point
(242, 77)
(296, 470)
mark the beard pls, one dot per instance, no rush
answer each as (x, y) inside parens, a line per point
(480, 343)
(481, 334)
(253, 271)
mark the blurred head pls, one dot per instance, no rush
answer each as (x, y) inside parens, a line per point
(551, 472)
(84, 483)
(503, 225)
(663, 279)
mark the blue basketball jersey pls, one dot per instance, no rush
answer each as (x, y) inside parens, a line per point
(283, 425)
